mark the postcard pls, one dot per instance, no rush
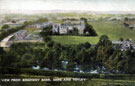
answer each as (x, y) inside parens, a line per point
(67, 43)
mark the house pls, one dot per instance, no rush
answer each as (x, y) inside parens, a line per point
(39, 25)
(46, 24)
(117, 42)
(124, 45)
(32, 37)
(114, 19)
(132, 26)
(20, 35)
(23, 35)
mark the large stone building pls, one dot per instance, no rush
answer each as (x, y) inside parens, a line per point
(68, 26)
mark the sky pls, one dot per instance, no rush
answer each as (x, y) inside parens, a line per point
(86, 5)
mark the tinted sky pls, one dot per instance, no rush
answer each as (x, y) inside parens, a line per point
(91, 5)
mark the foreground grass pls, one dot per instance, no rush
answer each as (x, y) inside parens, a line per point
(90, 79)
(88, 82)
(114, 30)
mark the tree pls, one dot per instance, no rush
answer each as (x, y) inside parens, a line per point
(27, 60)
(57, 46)
(121, 39)
(130, 61)
(46, 32)
(46, 39)
(87, 45)
(126, 19)
(75, 31)
(71, 65)
(104, 40)
(13, 21)
(84, 19)
(89, 30)
(104, 52)
(83, 59)
(50, 43)
(5, 27)
(51, 60)
(8, 59)
(1, 50)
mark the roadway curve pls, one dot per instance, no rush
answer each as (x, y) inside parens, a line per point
(5, 42)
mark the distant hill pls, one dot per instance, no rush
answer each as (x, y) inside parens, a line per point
(4, 11)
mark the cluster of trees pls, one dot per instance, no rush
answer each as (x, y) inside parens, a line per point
(89, 30)
(46, 32)
(48, 55)
(5, 27)
(129, 19)
(102, 56)
(4, 33)
(87, 57)
(113, 59)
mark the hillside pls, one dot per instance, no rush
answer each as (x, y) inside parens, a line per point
(114, 30)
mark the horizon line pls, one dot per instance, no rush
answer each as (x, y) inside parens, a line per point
(28, 11)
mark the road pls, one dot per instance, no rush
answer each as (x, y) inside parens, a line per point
(40, 41)
(5, 42)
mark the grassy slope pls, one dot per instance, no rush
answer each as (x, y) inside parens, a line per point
(115, 31)
(88, 82)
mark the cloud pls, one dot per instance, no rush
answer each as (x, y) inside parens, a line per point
(92, 5)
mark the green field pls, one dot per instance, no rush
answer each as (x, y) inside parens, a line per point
(0, 27)
(74, 39)
(114, 30)
(93, 82)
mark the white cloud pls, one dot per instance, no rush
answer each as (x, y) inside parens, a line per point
(93, 5)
